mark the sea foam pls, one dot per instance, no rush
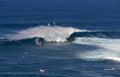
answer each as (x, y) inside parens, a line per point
(108, 48)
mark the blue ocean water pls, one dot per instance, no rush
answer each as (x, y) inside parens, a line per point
(59, 38)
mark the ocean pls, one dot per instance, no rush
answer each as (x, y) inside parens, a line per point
(59, 38)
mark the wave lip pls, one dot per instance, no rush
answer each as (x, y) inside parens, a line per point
(49, 33)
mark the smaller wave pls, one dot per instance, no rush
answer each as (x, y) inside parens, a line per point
(109, 49)
(49, 33)
(100, 54)
(107, 43)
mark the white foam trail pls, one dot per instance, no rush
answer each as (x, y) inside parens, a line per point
(109, 48)
(113, 44)
(49, 33)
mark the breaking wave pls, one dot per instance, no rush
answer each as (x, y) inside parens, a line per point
(108, 42)
(48, 33)
(57, 34)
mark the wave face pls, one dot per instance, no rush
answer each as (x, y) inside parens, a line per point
(99, 34)
(49, 33)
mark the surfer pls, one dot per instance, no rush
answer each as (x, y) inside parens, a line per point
(42, 70)
(49, 24)
(37, 41)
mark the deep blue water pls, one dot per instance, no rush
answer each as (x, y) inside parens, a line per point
(83, 39)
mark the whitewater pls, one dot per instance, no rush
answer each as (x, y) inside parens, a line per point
(108, 48)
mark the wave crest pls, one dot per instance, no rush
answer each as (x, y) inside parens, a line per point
(49, 33)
